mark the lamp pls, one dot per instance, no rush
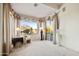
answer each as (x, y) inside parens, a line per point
(18, 29)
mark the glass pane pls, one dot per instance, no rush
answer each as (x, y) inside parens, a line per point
(28, 26)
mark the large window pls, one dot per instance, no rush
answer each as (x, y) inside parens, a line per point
(28, 26)
(49, 26)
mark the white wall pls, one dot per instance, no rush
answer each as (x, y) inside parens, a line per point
(69, 26)
(1, 28)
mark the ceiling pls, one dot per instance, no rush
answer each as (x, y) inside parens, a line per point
(54, 5)
(39, 11)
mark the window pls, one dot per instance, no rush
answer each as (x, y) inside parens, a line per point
(28, 26)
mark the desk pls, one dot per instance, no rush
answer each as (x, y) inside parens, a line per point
(16, 40)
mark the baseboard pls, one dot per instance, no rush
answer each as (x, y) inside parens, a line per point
(69, 48)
